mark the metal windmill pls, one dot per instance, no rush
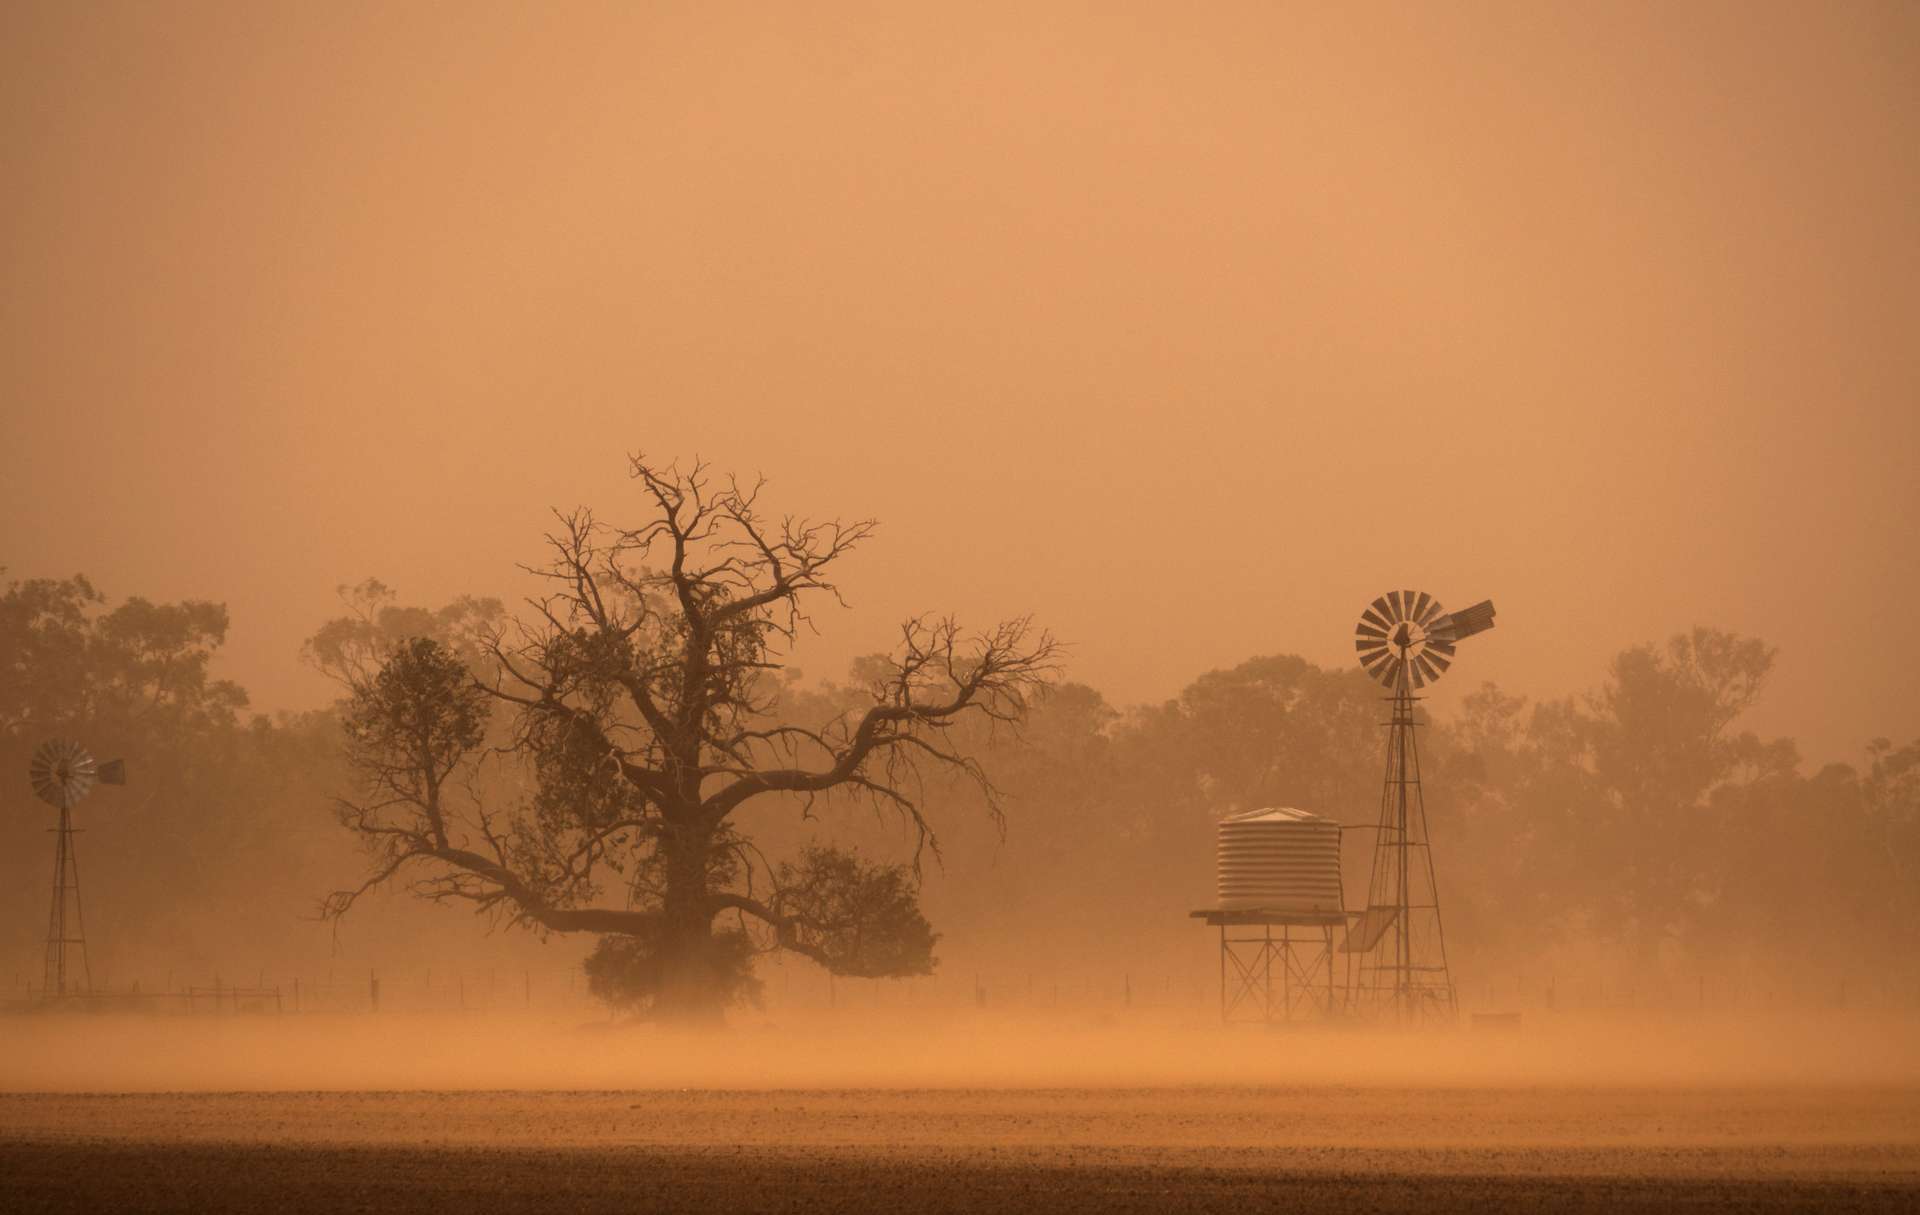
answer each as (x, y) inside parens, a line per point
(1406, 641)
(62, 773)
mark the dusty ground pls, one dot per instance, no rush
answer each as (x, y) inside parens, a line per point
(883, 1112)
(1303, 1148)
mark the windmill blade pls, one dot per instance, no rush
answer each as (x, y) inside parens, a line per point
(1440, 661)
(1427, 666)
(1369, 616)
(1399, 609)
(1381, 606)
(1363, 629)
(1418, 612)
(1440, 644)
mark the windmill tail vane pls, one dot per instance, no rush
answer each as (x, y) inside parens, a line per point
(1475, 619)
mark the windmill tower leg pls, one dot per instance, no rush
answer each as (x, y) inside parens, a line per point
(1437, 991)
(1403, 942)
(1408, 978)
(66, 935)
(1400, 736)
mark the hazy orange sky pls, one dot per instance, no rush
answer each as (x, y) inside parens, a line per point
(1187, 328)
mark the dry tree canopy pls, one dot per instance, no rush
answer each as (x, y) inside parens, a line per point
(638, 699)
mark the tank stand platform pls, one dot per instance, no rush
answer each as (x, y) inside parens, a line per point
(1269, 977)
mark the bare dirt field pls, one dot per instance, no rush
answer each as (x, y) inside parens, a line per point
(887, 1112)
(1319, 1148)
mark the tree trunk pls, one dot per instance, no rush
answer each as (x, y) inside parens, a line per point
(690, 985)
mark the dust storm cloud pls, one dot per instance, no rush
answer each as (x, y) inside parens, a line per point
(1202, 328)
(1166, 337)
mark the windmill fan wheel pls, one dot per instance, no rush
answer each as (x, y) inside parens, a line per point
(1405, 639)
(62, 772)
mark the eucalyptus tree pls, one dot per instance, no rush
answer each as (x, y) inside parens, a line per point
(635, 706)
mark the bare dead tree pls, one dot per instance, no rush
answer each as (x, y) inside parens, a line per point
(641, 699)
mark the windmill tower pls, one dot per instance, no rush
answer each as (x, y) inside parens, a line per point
(1405, 641)
(62, 773)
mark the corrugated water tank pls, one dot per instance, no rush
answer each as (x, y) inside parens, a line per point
(1279, 859)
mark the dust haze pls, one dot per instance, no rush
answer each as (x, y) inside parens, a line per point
(908, 1046)
(1601, 308)
(659, 550)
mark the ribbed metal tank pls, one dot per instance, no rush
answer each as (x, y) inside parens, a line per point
(1280, 860)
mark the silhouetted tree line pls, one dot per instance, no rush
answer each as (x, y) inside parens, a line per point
(213, 846)
(1639, 820)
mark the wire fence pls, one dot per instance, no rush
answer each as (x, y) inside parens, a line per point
(499, 991)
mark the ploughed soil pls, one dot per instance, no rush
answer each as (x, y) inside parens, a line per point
(1271, 1149)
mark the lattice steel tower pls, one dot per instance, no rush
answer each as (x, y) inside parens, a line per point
(1405, 641)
